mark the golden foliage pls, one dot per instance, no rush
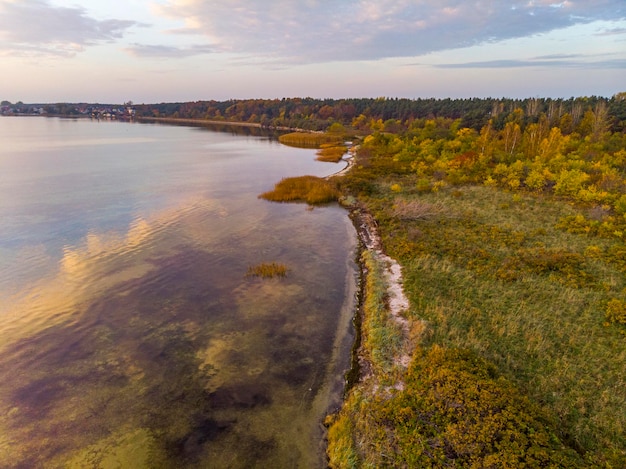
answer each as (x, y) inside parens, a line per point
(454, 411)
(616, 311)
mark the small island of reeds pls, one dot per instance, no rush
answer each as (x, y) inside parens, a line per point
(310, 139)
(267, 270)
(310, 189)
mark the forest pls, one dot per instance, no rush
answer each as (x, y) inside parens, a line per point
(512, 240)
(391, 114)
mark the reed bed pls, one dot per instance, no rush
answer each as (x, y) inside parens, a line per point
(309, 139)
(268, 270)
(310, 189)
(331, 153)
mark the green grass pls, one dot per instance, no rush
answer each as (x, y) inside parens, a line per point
(309, 189)
(381, 336)
(453, 409)
(492, 274)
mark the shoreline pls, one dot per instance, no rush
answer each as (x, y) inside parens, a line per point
(166, 120)
(185, 120)
(396, 304)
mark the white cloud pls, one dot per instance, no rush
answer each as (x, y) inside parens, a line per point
(35, 27)
(308, 31)
(171, 52)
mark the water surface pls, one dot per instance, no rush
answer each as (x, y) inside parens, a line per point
(130, 335)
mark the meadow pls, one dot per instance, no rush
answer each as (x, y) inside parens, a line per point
(512, 243)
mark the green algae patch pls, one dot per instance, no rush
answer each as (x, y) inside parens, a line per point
(310, 189)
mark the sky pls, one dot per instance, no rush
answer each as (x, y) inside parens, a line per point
(150, 51)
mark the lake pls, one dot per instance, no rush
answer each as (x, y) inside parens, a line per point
(130, 332)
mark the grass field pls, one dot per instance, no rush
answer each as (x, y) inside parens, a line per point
(516, 299)
(494, 275)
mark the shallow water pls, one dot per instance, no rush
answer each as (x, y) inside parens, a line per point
(130, 335)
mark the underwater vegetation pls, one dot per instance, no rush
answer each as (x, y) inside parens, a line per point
(268, 270)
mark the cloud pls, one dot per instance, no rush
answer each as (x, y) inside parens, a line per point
(309, 31)
(612, 32)
(34, 27)
(545, 61)
(168, 52)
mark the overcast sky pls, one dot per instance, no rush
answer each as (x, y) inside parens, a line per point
(185, 50)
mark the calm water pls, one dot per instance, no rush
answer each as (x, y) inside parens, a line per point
(130, 335)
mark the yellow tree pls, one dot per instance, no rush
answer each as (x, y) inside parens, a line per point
(552, 145)
(533, 135)
(511, 136)
(484, 143)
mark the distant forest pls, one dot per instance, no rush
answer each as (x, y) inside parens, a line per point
(396, 114)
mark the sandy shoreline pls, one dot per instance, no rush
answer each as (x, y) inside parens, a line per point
(397, 302)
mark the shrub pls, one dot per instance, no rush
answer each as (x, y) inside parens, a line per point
(542, 260)
(535, 180)
(569, 182)
(620, 205)
(616, 312)
(454, 411)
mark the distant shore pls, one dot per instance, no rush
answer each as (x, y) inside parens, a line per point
(169, 120)
(178, 120)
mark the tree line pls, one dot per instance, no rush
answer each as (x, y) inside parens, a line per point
(395, 114)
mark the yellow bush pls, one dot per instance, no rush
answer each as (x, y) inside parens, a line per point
(453, 412)
(616, 311)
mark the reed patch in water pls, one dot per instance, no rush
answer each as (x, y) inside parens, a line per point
(309, 139)
(331, 152)
(267, 270)
(310, 189)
